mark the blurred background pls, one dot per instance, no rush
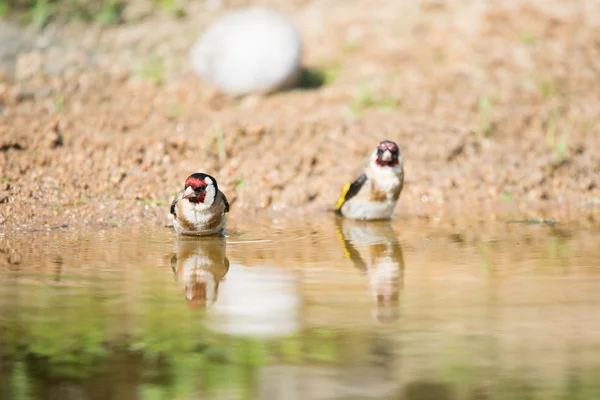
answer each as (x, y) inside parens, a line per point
(485, 285)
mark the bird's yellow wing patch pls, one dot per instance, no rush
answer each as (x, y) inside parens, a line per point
(342, 198)
(350, 190)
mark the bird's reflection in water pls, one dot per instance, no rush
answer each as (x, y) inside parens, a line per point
(199, 265)
(374, 249)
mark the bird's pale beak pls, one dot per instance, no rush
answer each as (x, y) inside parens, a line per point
(387, 156)
(189, 192)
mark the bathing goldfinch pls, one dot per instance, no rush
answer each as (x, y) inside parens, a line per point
(374, 194)
(200, 208)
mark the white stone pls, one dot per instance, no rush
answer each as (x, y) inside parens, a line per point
(251, 50)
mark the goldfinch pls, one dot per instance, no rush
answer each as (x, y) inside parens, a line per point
(374, 249)
(200, 265)
(374, 194)
(200, 208)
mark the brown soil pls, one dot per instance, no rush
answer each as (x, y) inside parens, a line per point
(110, 145)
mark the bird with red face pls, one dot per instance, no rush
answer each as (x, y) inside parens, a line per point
(374, 194)
(200, 208)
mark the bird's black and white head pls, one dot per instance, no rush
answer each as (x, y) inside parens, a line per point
(200, 190)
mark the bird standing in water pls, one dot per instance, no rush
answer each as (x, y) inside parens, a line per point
(200, 208)
(374, 194)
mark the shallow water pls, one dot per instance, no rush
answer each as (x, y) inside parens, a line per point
(319, 309)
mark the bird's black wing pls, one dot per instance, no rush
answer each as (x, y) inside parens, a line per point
(226, 202)
(350, 190)
(174, 206)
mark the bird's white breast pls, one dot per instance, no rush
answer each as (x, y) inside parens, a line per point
(203, 220)
(197, 213)
(387, 179)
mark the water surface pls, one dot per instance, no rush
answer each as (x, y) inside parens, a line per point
(314, 309)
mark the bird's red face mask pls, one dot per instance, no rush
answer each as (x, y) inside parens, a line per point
(195, 190)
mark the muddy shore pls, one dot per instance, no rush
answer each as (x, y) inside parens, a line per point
(495, 109)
